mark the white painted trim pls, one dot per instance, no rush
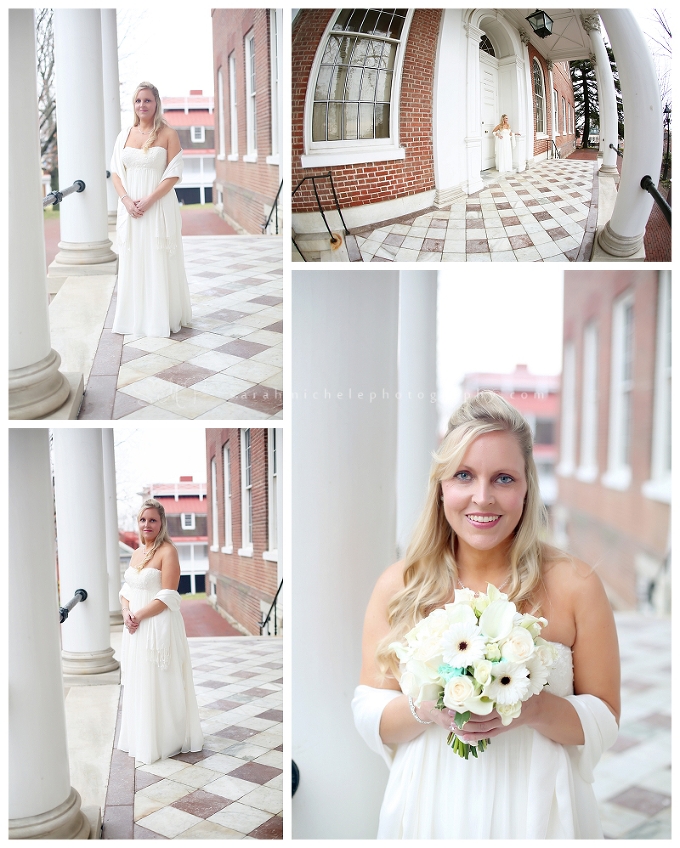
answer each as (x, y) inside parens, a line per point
(229, 549)
(273, 160)
(214, 548)
(249, 157)
(329, 158)
(271, 556)
(658, 490)
(232, 157)
(246, 552)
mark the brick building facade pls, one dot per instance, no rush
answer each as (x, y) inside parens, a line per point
(193, 119)
(613, 505)
(243, 523)
(247, 51)
(399, 106)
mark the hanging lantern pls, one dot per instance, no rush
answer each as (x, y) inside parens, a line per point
(541, 23)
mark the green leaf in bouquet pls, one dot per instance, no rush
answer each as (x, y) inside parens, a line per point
(461, 718)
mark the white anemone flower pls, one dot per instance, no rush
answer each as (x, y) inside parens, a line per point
(509, 684)
(463, 645)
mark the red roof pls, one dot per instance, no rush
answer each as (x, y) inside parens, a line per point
(165, 490)
(189, 538)
(195, 505)
(195, 118)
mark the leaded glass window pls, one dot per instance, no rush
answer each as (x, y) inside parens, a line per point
(354, 85)
(539, 98)
(486, 46)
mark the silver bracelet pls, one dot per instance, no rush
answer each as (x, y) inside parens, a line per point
(123, 197)
(415, 715)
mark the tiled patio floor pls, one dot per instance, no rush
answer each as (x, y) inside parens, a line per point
(227, 364)
(539, 215)
(633, 779)
(233, 788)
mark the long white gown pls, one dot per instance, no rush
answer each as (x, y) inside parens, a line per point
(160, 714)
(153, 293)
(503, 151)
(524, 786)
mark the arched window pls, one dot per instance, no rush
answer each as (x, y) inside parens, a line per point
(539, 98)
(353, 97)
(486, 46)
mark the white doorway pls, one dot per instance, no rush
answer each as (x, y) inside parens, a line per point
(488, 73)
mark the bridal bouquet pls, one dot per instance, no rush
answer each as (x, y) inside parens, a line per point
(473, 656)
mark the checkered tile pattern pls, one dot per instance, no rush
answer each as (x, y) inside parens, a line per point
(633, 779)
(536, 216)
(227, 364)
(233, 788)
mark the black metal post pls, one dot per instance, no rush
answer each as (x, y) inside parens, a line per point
(647, 183)
(57, 196)
(80, 595)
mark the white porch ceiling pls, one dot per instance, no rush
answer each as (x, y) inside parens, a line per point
(569, 41)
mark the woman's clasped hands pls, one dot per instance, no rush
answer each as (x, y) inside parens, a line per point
(475, 728)
(130, 621)
(136, 208)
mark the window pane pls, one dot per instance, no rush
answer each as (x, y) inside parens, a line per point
(351, 120)
(319, 122)
(384, 86)
(368, 86)
(366, 120)
(337, 86)
(353, 86)
(322, 83)
(374, 53)
(382, 121)
(334, 121)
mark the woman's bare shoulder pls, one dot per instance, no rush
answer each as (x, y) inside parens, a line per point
(568, 575)
(390, 581)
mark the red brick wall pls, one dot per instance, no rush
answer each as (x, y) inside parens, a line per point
(241, 581)
(358, 185)
(561, 84)
(606, 527)
(563, 87)
(247, 187)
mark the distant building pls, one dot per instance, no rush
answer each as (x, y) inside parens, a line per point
(537, 398)
(186, 511)
(614, 473)
(243, 525)
(248, 55)
(194, 120)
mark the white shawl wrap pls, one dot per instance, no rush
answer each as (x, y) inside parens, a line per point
(159, 627)
(168, 226)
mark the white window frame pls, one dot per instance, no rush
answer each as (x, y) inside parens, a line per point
(320, 154)
(568, 412)
(222, 125)
(198, 135)
(251, 98)
(544, 132)
(275, 65)
(273, 454)
(226, 471)
(213, 501)
(588, 470)
(555, 113)
(188, 520)
(564, 116)
(246, 548)
(658, 487)
(233, 110)
(619, 474)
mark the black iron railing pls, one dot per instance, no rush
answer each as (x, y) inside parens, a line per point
(274, 211)
(272, 608)
(554, 150)
(328, 176)
(80, 595)
(647, 183)
(618, 152)
(57, 196)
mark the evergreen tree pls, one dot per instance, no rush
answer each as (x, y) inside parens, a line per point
(586, 103)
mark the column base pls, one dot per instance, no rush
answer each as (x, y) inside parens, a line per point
(66, 821)
(608, 171)
(610, 247)
(86, 259)
(37, 389)
(446, 196)
(69, 410)
(90, 662)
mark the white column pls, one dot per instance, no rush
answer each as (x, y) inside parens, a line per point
(111, 86)
(609, 119)
(81, 536)
(529, 102)
(417, 428)
(85, 247)
(279, 507)
(36, 386)
(550, 102)
(111, 528)
(623, 235)
(343, 532)
(42, 803)
(473, 111)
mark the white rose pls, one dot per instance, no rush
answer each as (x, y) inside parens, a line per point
(481, 603)
(409, 684)
(458, 690)
(519, 645)
(545, 652)
(508, 711)
(463, 596)
(482, 672)
(492, 652)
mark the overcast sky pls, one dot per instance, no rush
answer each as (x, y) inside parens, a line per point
(155, 454)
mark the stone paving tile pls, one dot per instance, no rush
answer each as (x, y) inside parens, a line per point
(236, 291)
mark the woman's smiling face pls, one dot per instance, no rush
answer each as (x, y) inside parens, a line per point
(145, 104)
(150, 525)
(484, 499)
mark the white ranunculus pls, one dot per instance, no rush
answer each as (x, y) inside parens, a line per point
(482, 672)
(496, 620)
(492, 652)
(519, 645)
(481, 603)
(457, 691)
(508, 712)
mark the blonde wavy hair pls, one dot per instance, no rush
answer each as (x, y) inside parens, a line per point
(158, 119)
(152, 503)
(430, 569)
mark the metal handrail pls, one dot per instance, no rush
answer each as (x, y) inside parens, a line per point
(55, 197)
(80, 595)
(647, 183)
(556, 153)
(618, 152)
(314, 178)
(264, 623)
(275, 206)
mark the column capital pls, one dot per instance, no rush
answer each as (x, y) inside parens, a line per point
(549, 64)
(593, 60)
(524, 37)
(474, 33)
(591, 23)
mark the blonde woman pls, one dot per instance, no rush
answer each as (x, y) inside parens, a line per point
(160, 714)
(153, 294)
(505, 142)
(483, 523)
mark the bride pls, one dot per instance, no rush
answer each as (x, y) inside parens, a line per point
(483, 523)
(505, 141)
(160, 714)
(153, 294)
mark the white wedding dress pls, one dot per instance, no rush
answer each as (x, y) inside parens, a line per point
(523, 786)
(160, 714)
(153, 293)
(503, 151)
